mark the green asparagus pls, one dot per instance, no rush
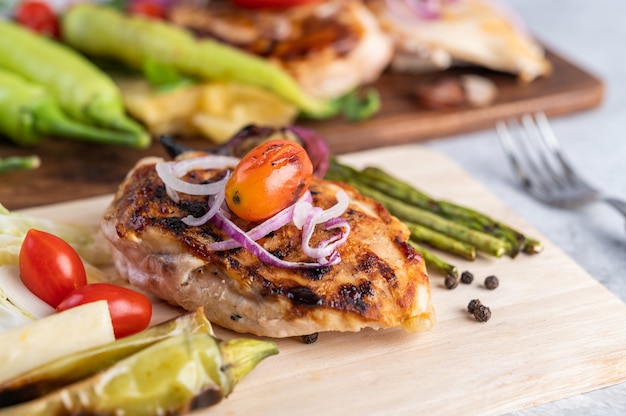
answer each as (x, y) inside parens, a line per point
(441, 241)
(441, 224)
(19, 162)
(409, 213)
(434, 262)
(381, 180)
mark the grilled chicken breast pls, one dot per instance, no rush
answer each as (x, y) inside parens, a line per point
(329, 47)
(380, 283)
(476, 32)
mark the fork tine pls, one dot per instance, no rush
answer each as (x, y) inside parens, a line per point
(552, 171)
(506, 141)
(519, 142)
(555, 148)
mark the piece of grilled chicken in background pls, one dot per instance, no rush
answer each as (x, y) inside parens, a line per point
(329, 47)
(483, 33)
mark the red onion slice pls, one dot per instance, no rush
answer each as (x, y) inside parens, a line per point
(256, 249)
(279, 220)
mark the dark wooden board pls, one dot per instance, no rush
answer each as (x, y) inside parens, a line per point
(72, 170)
(402, 120)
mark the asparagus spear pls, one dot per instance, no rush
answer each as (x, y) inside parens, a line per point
(19, 162)
(381, 180)
(409, 213)
(436, 263)
(441, 241)
(179, 374)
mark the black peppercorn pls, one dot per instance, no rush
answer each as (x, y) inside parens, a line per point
(471, 306)
(451, 282)
(467, 277)
(310, 338)
(491, 282)
(482, 313)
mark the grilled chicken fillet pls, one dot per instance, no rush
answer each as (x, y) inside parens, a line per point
(329, 47)
(380, 283)
(476, 32)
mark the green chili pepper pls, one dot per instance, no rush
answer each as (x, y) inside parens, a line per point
(70, 368)
(105, 32)
(81, 90)
(28, 115)
(179, 374)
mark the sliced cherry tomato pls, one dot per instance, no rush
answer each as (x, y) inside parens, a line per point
(38, 16)
(258, 4)
(268, 179)
(50, 267)
(130, 311)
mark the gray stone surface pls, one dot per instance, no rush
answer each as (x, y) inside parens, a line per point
(593, 35)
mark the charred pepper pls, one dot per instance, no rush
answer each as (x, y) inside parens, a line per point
(175, 375)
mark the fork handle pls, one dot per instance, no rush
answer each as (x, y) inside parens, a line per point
(617, 204)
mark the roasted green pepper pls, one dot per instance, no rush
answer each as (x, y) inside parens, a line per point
(66, 370)
(104, 32)
(179, 374)
(83, 91)
(28, 115)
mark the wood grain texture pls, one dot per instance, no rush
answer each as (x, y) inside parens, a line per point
(555, 331)
(72, 170)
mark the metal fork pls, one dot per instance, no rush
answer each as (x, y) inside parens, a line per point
(541, 167)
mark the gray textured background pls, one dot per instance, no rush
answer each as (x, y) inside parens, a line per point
(592, 34)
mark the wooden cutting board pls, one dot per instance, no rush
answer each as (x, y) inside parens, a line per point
(554, 332)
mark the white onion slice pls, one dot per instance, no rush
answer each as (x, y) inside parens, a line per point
(214, 204)
(184, 166)
(168, 176)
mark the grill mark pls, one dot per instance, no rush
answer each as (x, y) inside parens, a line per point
(353, 298)
(303, 296)
(369, 263)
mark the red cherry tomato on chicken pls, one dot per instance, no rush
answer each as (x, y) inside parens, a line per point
(50, 267)
(37, 16)
(268, 179)
(257, 4)
(130, 311)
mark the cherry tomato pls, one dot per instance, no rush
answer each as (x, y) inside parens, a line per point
(257, 4)
(147, 8)
(130, 311)
(37, 16)
(50, 267)
(268, 179)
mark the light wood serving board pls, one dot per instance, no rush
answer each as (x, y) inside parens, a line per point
(555, 331)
